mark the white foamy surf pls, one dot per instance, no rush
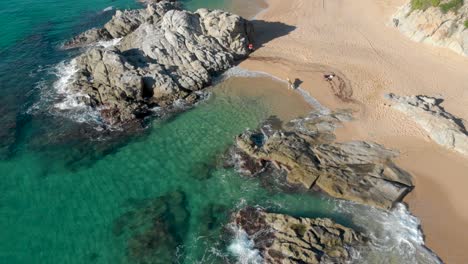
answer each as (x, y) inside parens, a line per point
(243, 248)
(241, 72)
(395, 236)
(313, 102)
(107, 9)
(64, 72)
(108, 43)
(70, 103)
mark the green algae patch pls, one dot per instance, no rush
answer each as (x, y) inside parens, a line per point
(445, 6)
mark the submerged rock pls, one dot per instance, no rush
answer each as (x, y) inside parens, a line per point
(163, 55)
(154, 229)
(358, 171)
(441, 126)
(286, 239)
(436, 26)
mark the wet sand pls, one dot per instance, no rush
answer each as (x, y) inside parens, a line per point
(307, 38)
(247, 8)
(284, 103)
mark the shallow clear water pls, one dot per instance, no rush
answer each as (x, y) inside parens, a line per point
(62, 214)
(157, 196)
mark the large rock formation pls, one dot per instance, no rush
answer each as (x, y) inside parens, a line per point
(435, 26)
(289, 240)
(358, 171)
(441, 126)
(162, 55)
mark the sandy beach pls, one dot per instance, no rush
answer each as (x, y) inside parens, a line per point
(304, 39)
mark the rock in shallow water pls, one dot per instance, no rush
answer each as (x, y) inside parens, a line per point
(154, 229)
(164, 55)
(357, 171)
(286, 239)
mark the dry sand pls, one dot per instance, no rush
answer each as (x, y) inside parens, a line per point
(306, 38)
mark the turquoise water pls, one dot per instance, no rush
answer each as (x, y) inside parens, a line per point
(58, 214)
(160, 196)
(21, 19)
(71, 194)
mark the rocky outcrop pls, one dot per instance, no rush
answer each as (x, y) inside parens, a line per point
(154, 1)
(88, 38)
(163, 56)
(358, 171)
(289, 240)
(434, 26)
(441, 126)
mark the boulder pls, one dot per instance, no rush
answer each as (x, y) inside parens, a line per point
(442, 127)
(163, 55)
(124, 22)
(286, 239)
(358, 171)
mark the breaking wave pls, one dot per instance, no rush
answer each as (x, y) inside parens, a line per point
(108, 43)
(70, 103)
(395, 236)
(243, 248)
(107, 9)
(56, 98)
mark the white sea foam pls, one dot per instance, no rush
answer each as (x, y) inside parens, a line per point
(394, 235)
(65, 72)
(243, 248)
(70, 103)
(313, 102)
(108, 43)
(107, 9)
(241, 72)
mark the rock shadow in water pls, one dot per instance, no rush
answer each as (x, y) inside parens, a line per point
(154, 229)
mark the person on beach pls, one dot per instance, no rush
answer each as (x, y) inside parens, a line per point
(290, 84)
(251, 47)
(329, 77)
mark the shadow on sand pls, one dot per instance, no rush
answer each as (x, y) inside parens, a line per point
(265, 31)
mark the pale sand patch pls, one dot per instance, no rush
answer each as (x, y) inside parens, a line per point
(352, 38)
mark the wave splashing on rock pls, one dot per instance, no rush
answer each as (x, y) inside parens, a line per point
(395, 236)
(243, 248)
(67, 102)
(154, 57)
